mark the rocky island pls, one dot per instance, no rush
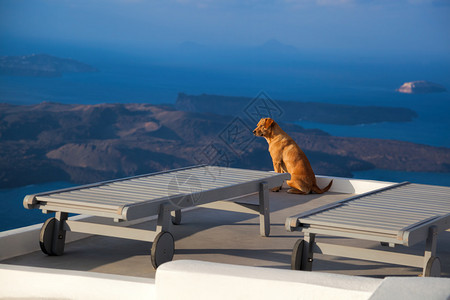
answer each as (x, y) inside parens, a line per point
(291, 111)
(87, 143)
(421, 87)
(41, 65)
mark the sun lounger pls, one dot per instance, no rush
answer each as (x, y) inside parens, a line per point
(159, 194)
(402, 214)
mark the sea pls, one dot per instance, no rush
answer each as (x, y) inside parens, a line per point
(148, 80)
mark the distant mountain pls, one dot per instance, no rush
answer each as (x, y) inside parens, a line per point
(41, 65)
(191, 46)
(276, 47)
(421, 87)
(87, 143)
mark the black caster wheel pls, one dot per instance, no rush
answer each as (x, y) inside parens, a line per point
(163, 249)
(296, 258)
(433, 267)
(50, 245)
(46, 236)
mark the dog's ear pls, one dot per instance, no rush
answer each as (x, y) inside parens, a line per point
(268, 123)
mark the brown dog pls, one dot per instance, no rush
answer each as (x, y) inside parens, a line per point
(287, 157)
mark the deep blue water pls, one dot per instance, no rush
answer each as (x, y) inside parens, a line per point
(151, 81)
(442, 179)
(14, 215)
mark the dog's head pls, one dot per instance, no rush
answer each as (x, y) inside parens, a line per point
(264, 127)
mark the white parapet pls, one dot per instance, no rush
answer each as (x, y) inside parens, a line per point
(350, 185)
(20, 282)
(197, 280)
(187, 279)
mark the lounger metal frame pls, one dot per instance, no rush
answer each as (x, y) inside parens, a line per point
(163, 194)
(401, 214)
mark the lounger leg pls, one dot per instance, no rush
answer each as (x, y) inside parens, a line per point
(264, 211)
(176, 217)
(59, 234)
(164, 219)
(308, 251)
(432, 265)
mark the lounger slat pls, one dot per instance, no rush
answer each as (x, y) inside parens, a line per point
(141, 185)
(408, 199)
(378, 215)
(102, 205)
(121, 196)
(404, 207)
(399, 211)
(174, 182)
(181, 177)
(84, 201)
(215, 173)
(159, 182)
(182, 180)
(92, 197)
(361, 228)
(357, 219)
(387, 213)
(177, 181)
(119, 191)
(153, 194)
(168, 189)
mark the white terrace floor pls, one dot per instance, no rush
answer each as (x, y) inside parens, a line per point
(226, 237)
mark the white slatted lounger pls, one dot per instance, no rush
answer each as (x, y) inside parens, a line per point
(146, 195)
(402, 214)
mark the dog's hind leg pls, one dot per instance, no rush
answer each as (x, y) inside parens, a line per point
(295, 191)
(298, 185)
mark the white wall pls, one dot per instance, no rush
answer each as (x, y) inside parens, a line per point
(197, 280)
(40, 283)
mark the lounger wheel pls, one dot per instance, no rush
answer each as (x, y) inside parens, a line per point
(46, 236)
(433, 267)
(163, 249)
(296, 258)
(51, 244)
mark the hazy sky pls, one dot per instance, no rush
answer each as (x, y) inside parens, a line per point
(387, 26)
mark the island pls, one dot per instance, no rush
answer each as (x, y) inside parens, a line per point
(292, 111)
(41, 65)
(421, 87)
(51, 142)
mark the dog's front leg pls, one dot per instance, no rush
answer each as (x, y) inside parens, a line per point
(277, 166)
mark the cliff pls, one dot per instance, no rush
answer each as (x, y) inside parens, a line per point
(87, 143)
(41, 65)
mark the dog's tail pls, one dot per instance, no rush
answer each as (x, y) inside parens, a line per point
(318, 190)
